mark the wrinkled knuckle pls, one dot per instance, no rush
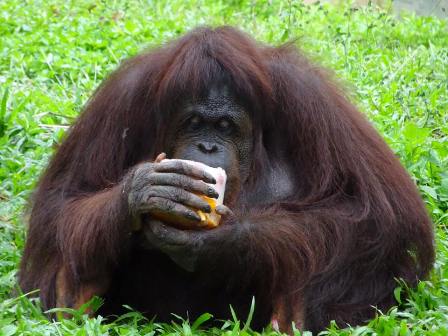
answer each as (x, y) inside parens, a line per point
(174, 180)
(187, 183)
(149, 193)
(154, 203)
(177, 195)
(167, 205)
(151, 179)
(185, 167)
(183, 181)
(177, 165)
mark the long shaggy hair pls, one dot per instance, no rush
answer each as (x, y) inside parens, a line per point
(331, 251)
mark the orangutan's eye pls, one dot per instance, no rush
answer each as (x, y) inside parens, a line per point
(194, 122)
(224, 125)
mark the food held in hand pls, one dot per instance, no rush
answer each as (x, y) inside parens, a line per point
(212, 219)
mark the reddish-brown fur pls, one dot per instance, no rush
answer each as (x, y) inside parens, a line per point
(332, 251)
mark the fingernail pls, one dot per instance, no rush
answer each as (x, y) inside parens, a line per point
(212, 193)
(208, 178)
(193, 216)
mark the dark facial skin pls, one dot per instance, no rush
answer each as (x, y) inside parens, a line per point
(216, 131)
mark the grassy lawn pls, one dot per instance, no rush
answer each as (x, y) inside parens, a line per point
(53, 54)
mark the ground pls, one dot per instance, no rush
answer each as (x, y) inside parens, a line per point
(53, 54)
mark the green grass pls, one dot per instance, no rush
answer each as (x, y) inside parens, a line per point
(53, 54)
